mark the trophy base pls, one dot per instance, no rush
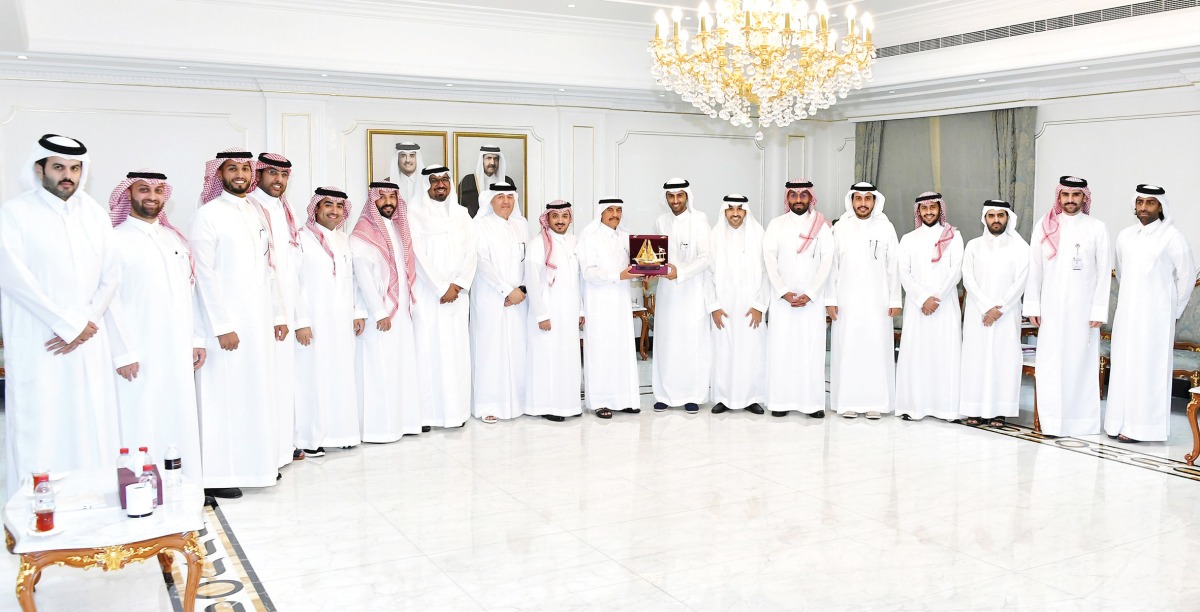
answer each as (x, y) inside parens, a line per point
(651, 270)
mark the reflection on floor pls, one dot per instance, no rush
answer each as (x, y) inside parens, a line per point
(705, 512)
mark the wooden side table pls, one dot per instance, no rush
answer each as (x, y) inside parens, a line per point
(93, 531)
(1192, 408)
(112, 558)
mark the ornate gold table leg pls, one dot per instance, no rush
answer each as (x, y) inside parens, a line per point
(195, 563)
(1192, 408)
(27, 575)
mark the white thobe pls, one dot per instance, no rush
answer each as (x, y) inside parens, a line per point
(796, 336)
(994, 270)
(287, 265)
(1157, 274)
(928, 369)
(737, 284)
(682, 340)
(58, 271)
(239, 432)
(610, 374)
(389, 382)
(554, 372)
(444, 244)
(865, 284)
(498, 331)
(157, 305)
(1068, 292)
(326, 393)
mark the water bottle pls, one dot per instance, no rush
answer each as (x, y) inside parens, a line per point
(172, 468)
(43, 506)
(151, 480)
(145, 458)
(123, 459)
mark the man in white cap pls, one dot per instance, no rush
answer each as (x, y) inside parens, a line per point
(385, 272)
(737, 298)
(610, 376)
(554, 372)
(157, 393)
(1157, 274)
(406, 170)
(862, 299)
(444, 244)
(59, 270)
(327, 323)
(271, 173)
(1066, 296)
(798, 254)
(930, 266)
(993, 272)
(243, 319)
(498, 308)
(488, 170)
(682, 341)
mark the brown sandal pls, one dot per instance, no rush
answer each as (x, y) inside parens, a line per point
(604, 413)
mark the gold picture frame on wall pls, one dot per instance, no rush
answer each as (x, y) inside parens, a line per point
(381, 149)
(515, 150)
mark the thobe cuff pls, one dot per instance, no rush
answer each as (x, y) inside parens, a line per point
(69, 327)
(1099, 315)
(713, 307)
(758, 306)
(359, 314)
(198, 342)
(1031, 310)
(381, 315)
(464, 283)
(895, 304)
(125, 359)
(302, 323)
(221, 331)
(831, 302)
(505, 289)
(539, 317)
(281, 320)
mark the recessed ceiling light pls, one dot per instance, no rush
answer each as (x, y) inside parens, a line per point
(570, 6)
(687, 18)
(1083, 67)
(833, 14)
(983, 80)
(662, 95)
(892, 91)
(561, 89)
(22, 57)
(183, 67)
(449, 84)
(324, 75)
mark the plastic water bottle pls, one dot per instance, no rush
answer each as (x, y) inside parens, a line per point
(43, 506)
(123, 459)
(145, 458)
(150, 479)
(172, 468)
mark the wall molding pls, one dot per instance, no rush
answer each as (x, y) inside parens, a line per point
(1060, 122)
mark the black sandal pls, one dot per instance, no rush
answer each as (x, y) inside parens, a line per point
(604, 413)
(997, 422)
(972, 421)
(1126, 439)
(631, 410)
(554, 417)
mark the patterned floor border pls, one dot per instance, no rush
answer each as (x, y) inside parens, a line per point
(229, 583)
(1119, 454)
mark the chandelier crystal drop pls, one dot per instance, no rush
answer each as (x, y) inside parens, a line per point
(769, 57)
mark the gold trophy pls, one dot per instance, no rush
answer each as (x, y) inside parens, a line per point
(651, 258)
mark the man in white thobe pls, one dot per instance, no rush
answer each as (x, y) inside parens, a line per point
(243, 319)
(59, 270)
(930, 266)
(554, 374)
(272, 172)
(156, 394)
(798, 254)
(444, 243)
(327, 322)
(1066, 296)
(498, 308)
(610, 377)
(385, 271)
(1157, 274)
(863, 296)
(995, 266)
(682, 340)
(406, 170)
(737, 299)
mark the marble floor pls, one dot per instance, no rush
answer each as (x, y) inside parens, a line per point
(706, 512)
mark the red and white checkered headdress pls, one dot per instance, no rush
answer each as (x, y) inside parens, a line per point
(212, 178)
(119, 204)
(1050, 225)
(371, 229)
(947, 229)
(819, 221)
(279, 161)
(338, 196)
(547, 241)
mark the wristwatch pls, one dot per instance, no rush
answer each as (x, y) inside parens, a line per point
(523, 289)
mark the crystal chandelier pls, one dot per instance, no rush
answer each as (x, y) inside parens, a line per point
(772, 54)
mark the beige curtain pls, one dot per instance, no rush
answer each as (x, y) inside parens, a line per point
(868, 146)
(1015, 130)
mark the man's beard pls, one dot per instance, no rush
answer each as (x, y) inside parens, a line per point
(383, 211)
(142, 211)
(236, 189)
(930, 223)
(997, 232)
(62, 192)
(799, 208)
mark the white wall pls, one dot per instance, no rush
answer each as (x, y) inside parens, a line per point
(1115, 141)
(579, 154)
